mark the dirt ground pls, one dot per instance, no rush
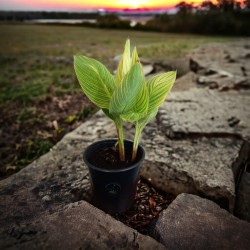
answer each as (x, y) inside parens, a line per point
(27, 133)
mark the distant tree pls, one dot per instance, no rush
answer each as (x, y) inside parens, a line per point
(208, 6)
(184, 8)
(112, 21)
(247, 4)
(226, 5)
(237, 6)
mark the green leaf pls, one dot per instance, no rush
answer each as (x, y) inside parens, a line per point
(96, 81)
(134, 57)
(126, 94)
(140, 109)
(111, 116)
(124, 64)
(158, 88)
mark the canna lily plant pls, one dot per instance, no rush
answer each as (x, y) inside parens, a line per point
(127, 97)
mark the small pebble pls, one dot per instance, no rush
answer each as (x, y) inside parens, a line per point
(46, 198)
(158, 209)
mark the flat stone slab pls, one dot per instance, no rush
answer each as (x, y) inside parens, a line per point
(204, 112)
(77, 226)
(60, 177)
(185, 82)
(202, 166)
(147, 69)
(191, 222)
(223, 66)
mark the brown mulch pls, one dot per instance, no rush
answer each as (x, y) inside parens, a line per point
(149, 202)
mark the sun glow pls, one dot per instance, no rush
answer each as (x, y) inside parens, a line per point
(135, 4)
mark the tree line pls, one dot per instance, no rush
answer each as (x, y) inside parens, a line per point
(19, 16)
(226, 17)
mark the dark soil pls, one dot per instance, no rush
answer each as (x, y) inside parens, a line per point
(149, 202)
(108, 158)
(27, 133)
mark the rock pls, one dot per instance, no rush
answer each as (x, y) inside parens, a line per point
(204, 112)
(147, 69)
(180, 65)
(191, 222)
(46, 198)
(242, 209)
(223, 64)
(80, 226)
(185, 82)
(117, 59)
(195, 146)
(232, 82)
(202, 166)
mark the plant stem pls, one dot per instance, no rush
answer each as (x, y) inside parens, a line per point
(120, 140)
(138, 131)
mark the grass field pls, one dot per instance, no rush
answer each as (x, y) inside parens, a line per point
(40, 99)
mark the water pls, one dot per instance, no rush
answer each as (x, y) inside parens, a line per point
(133, 20)
(65, 21)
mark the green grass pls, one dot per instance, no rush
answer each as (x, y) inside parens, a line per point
(34, 58)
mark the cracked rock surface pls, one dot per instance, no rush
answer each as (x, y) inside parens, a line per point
(199, 166)
(77, 226)
(191, 222)
(198, 144)
(204, 112)
(223, 66)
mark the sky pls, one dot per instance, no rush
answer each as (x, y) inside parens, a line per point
(79, 5)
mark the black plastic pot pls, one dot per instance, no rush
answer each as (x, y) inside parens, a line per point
(113, 190)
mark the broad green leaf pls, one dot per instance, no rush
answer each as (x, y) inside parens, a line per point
(134, 57)
(107, 113)
(140, 109)
(96, 81)
(126, 94)
(158, 88)
(124, 64)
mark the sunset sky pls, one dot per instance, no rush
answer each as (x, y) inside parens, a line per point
(78, 5)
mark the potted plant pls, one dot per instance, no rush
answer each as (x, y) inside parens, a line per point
(114, 163)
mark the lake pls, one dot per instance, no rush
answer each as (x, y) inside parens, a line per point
(133, 20)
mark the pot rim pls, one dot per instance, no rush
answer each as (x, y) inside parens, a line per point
(112, 170)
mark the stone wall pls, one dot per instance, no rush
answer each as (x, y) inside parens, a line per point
(198, 145)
